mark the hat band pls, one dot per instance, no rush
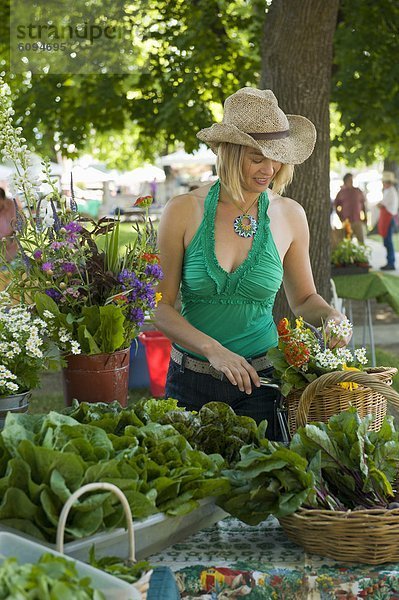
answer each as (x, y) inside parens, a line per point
(272, 135)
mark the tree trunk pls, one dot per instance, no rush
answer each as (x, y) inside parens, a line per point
(297, 50)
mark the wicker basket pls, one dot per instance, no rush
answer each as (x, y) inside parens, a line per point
(362, 536)
(141, 586)
(323, 397)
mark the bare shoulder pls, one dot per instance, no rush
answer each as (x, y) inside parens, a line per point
(287, 207)
(188, 200)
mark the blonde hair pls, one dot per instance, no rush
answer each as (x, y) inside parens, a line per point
(229, 163)
(229, 168)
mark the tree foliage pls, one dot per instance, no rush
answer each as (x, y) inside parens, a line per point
(187, 57)
(190, 56)
(366, 79)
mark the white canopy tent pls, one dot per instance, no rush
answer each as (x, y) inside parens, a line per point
(88, 175)
(141, 174)
(203, 156)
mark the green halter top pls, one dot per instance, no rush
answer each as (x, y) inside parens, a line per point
(233, 308)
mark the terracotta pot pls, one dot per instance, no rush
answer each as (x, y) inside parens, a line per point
(97, 377)
(14, 403)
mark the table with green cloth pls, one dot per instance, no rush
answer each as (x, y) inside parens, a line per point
(232, 560)
(381, 286)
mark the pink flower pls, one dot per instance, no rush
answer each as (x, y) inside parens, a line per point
(47, 267)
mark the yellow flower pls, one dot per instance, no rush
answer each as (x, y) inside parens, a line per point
(158, 298)
(349, 385)
(299, 323)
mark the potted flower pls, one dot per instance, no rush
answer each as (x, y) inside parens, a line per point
(92, 297)
(349, 257)
(24, 352)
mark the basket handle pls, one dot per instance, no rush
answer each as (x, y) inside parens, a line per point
(90, 487)
(335, 377)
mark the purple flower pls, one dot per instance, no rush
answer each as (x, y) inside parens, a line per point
(73, 227)
(137, 316)
(37, 254)
(54, 294)
(56, 245)
(47, 267)
(154, 270)
(68, 268)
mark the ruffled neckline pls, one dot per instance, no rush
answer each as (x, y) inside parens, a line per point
(259, 238)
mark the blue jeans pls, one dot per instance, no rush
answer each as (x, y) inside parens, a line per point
(388, 243)
(193, 390)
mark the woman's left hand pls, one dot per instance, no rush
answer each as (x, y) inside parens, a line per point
(338, 329)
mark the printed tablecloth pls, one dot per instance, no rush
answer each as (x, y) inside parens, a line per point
(232, 560)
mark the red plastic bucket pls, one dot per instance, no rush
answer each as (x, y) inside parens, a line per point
(157, 349)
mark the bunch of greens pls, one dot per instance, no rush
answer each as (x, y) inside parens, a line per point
(113, 418)
(51, 577)
(352, 467)
(114, 565)
(216, 429)
(269, 480)
(45, 458)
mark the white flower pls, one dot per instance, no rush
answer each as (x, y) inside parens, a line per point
(342, 329)
(75, 348)
(11, 386)
(360, 355)
(48, 220)
(48, 315)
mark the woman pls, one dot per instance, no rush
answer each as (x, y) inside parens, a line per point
(229, 246)
(8, 245)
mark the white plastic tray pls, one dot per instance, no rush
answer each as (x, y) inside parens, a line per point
(26, 551)
(152, 535)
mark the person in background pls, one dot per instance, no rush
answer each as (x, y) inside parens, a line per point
(8, 245)
(350, 204)
(229, 245)
(388, 212)
(153, 189)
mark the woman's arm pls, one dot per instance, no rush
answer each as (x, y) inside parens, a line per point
(298, 278)
(176, 218)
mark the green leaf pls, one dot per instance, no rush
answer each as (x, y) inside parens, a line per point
(111, 331)
(43, 303)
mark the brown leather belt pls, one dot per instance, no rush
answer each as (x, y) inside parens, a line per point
(202, 366)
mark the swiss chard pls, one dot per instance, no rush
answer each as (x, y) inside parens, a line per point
(353, 467)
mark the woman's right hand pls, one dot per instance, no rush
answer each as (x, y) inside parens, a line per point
(235, 368)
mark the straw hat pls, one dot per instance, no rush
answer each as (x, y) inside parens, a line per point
(389, 177)
(253, 118)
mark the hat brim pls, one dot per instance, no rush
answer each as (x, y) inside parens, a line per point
(294, 149)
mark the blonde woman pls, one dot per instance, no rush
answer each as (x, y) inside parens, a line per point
(229, 246)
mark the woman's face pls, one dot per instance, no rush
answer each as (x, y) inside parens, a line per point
(258, 171)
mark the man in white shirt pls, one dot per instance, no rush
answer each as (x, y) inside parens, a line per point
(388, 211)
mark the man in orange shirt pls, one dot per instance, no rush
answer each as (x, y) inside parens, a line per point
(350, 204)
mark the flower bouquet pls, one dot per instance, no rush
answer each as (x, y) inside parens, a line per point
(92, 296)
(312, 375)
(303, 354)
